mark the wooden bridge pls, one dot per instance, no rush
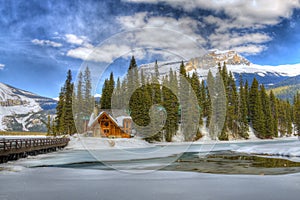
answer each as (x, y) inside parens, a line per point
(13, 149)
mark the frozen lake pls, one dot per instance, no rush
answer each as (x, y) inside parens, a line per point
(132, 173)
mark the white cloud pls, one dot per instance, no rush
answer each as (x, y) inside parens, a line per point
(104, 53)
(250, 49)
(143, 35)
(2, 66)
(46, 43)
(240, 42)
(267, 12)
(229, 32)
(175, 36)
(97, 95)
(74, 39)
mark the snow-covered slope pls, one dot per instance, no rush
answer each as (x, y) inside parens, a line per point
(22, 110)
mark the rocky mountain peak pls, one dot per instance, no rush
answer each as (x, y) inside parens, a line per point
(213, 57)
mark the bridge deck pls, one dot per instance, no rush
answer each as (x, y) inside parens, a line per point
(11, 149)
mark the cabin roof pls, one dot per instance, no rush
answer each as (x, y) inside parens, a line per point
(118, 120)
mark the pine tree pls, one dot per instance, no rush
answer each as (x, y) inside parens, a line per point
(132, 76)
(282, 118)
(60, 112)
(268, 119)
(247, 99)
(182, 70)
(189, 109)
(274, 113)
(78, 104)
(219, 104)
(117, 96)
(297, 113)
(209, 91)
(195, 83)
(232, 105)
(64, 111)
(69, 120)
(88, 99)
(104, 102)
(48, 125)
(170, 103)
(243, 111)
(255, 106)
(288, 109)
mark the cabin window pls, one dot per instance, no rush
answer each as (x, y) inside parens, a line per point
(106, 131)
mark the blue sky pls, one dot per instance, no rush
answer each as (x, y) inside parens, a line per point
(40, 40)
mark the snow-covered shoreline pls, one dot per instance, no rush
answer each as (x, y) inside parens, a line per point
(21, 136)
(94, 143)
(275, 149)
(209, 141)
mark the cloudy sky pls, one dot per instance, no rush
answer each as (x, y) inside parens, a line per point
(40, 40)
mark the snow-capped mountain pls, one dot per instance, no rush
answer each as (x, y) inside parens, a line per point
(21, 110)
(237, 64)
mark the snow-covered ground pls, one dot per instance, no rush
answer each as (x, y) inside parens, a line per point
(62, 183)
(93, 143)
(86, 149)
(21, 136)
(20, 181)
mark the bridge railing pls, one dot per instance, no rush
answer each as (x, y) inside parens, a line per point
(12, 144)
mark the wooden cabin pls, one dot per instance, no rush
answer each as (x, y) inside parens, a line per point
(104, 125)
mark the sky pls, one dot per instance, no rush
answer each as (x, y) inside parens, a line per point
(40, 40)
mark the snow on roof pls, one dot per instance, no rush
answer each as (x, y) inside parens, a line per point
(92, 119)
(118, 120)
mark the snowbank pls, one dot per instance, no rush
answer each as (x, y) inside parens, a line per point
(94, 143)
(291, 149)
(21, 136)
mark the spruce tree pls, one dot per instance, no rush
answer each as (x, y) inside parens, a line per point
(209, 92)
(104, 102)
(256, 113)
(297, 113)
(243, 110)
(60, 111)
(195, 83)
(274, 112)
(64, 111)
(188, 111)
(268, 119)
(48, 125)
(88, 99)
(282, 118)
(288, 109)
(78, 104)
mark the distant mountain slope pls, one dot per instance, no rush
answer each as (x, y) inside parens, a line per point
(237, 64)
(21, 110)
(287, 88)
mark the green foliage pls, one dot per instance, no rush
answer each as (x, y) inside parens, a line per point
(297, 112)
(64, 121)
(256, 112)
(243, 106)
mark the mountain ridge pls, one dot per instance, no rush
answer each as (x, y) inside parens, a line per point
(21, 110)
(266, 74)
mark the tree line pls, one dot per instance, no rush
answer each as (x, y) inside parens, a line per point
(149, 98)
(246, 106)
(74, 106)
